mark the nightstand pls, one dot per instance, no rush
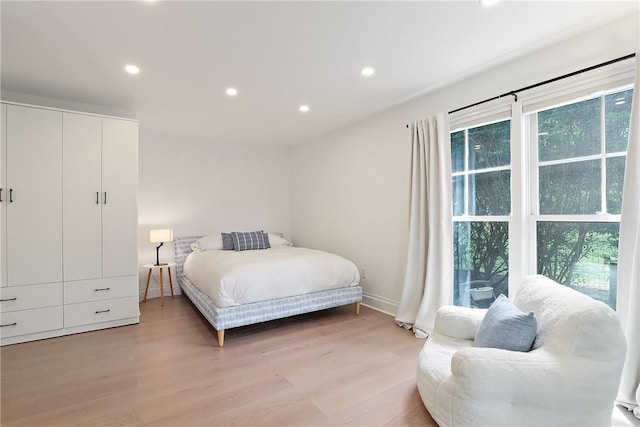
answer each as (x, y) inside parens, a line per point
(152, 267)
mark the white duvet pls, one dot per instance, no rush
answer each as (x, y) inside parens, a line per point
(233, 278)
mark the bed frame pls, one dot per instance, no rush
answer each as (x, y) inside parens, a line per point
(248, 314)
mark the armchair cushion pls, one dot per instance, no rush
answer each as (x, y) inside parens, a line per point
(505, 326)
(458, 322)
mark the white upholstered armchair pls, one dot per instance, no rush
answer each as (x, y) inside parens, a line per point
(570, 377)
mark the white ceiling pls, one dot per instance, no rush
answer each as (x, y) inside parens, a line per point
(278, 54)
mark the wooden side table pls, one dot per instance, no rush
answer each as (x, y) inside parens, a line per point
(152, 267)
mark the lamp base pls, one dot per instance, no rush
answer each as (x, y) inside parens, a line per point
(162, 263)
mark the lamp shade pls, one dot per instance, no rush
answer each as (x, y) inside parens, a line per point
(161, 236)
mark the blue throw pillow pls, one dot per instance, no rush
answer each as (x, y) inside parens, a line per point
(227, 241)
(250, 240)
(505, 326)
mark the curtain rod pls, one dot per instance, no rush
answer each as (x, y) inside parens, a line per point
(514, 93)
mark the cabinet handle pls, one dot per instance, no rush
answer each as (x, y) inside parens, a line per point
(9, 299)
(101, 289)
(9, 324)
(97, 197)
(105, 197)
(0, 195)
(103, 311)
(11, 195)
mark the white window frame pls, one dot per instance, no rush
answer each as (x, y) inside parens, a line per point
(531, 141)
(524, 216)
(479, 117)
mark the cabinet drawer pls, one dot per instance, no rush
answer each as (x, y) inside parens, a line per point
(30, 321)
(100, 289)
(86, 313)
(16, 298)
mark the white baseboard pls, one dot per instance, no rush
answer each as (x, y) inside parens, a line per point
(380, 303)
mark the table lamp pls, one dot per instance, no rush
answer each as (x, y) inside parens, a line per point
(160, 236)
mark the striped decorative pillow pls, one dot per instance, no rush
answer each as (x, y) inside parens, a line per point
(250, 240)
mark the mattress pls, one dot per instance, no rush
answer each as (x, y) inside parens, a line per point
(232, 278)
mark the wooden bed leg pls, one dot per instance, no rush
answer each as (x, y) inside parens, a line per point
(357, 309)
(220, 337)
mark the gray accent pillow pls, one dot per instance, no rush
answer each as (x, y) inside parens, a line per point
(250, 240)
(505, 326)
(227, 241)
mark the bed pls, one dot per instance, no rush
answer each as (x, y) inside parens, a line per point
(242, 314)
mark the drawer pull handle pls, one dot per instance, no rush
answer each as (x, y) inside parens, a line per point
(103, 311)
(9, 299)
(101, 289)
(9, 324)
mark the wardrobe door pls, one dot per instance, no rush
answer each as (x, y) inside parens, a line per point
(81, 187)
(120, 197)
(34, 199)
(3, 196)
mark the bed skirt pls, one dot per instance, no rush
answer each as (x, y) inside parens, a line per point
(247, 314)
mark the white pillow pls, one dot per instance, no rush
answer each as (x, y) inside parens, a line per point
(275, 240)
(208, 243)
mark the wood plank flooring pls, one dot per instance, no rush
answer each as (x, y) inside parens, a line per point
(321, 369)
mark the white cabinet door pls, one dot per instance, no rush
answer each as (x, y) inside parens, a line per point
(34, 208)
(81, 209)
(120, 197)
(3, 197)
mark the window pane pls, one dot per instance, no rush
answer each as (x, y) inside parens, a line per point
(489, 145)
(580, 255)
(617, 115)
(490, 193)
(615, 178)
(569, 131)
(570, 188)
(458, 195)
(481, 262)
(457, 151)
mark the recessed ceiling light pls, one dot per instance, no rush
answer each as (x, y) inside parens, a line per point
(304, 108)
(367, 71)
(489, 3)
(132, 69)
(231, 91)
(620, 101)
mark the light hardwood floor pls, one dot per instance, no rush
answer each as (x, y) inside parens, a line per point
(321, 369)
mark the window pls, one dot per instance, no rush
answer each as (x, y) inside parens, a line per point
(580, 152)
(544, 200)
(481, 179)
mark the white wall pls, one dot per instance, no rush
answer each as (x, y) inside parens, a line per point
(199, 187)
(350, 189)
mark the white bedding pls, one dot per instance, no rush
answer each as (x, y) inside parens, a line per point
(232, 278)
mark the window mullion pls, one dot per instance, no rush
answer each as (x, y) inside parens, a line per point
(534, 205)
(466, 172)
(603, 155)
(517, 222)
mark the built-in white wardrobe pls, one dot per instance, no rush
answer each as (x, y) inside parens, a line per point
(68, 218)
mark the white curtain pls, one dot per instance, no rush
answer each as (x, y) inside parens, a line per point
(429, 275)
(628, 301)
